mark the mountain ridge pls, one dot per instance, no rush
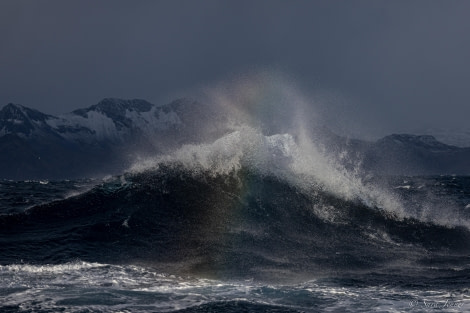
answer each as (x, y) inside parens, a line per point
(106, 137)
(92, 141)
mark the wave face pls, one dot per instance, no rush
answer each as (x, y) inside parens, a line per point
(177, 239)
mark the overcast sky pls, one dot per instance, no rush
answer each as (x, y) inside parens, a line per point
(389, 65)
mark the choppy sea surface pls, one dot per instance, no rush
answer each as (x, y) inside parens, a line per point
(225, 232)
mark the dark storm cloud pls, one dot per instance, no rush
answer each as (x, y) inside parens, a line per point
(394, 64)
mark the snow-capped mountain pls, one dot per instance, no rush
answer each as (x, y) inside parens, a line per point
(111, 120)
(114, 120)
(459, 137)
(404, 154)
(24, 122)
(100, 139)
(105, 138)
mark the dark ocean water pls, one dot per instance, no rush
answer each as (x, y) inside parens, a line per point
(264, 233)
(172, 241)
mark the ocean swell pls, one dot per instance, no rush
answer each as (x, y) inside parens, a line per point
(244, 207)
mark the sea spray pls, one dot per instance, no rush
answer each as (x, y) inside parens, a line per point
(266, 217)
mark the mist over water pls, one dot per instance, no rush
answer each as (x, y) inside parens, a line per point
(263, 211)
(266, 124)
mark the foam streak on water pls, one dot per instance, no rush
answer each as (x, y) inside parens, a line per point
(94, 287)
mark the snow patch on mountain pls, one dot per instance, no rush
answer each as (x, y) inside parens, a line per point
(94, 126)
(154, 120)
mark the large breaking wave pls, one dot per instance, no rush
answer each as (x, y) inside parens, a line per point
(245, 206)
(265, 200)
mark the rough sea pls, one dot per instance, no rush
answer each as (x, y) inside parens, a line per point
(249, 223)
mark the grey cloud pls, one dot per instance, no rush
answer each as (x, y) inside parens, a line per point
(394, 64)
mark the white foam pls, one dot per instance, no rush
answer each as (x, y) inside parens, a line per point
(55, 269)
(299, 161)
(79, 286)
(403, 187)
(272, 129)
